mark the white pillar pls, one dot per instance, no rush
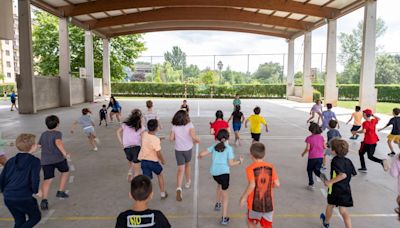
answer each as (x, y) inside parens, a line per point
(89, 66)
(64, 66)
(307, 87)
(106, 68)
(26, 80)
(331, 91)
(290, 69)
(368, 93)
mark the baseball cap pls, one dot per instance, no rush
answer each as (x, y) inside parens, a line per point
(367, 112)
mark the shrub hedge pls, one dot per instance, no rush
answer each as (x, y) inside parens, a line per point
(7, 87)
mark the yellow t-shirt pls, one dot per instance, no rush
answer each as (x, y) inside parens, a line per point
(255, 123)
(357, 118)
(150, 145)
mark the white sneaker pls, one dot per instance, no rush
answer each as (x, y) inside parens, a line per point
(97, 140)
(164, 195)
(311, 187)
(95, 149)
(187, 185)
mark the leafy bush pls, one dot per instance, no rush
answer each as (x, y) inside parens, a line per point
(8, 88)
(316, 95)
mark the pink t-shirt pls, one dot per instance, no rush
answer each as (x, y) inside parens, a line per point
(316, 146)
(183, 139)
(395, 171)
(131, 137)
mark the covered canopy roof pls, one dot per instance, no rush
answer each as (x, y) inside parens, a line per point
(280, 18)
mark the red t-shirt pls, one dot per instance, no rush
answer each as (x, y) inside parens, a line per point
(370, 131)
(218, 125)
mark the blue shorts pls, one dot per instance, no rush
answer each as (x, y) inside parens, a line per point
(236, 126)
(150, 167)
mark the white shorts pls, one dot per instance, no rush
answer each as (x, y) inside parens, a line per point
(259, 215)
(89, 130)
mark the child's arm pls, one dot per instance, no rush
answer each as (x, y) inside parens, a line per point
(383, 128)
(194, 136)
(73, 126)
(160, 157)
(203, 154)
(119, 135)
(338, 178)
(212, 131)
(266, 127)
(306, 149)
(377, 118)
(229, 118)
(245, 123)
(246, 193)
(172, 136)
(276, 184)
(242, 119)
(60, 146)
(237, 162)
(351, 118)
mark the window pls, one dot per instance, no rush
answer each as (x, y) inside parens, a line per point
(8, 64)
(7, 53)
(7, 42)
(8, 75)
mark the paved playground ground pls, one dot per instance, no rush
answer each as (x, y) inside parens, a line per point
(99, 190)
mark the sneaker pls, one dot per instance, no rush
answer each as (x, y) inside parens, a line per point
(179, 194)
(353, 138)
(62, 194)
(362, 170)
(187, 185)
(386, 165)
(97, 140)
(391, 154)
(164, 195)
(217, 207)
(323, 218)
(357, 136)
(95, 149)
(311, 187)
(44, 204)
(224, 220)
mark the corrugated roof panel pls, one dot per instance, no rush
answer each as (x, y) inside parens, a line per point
(281, 14)
(99, 15)
(312, 19)
(83, 17)
(250, 9)
(78, 1)
(115, 13)
(268, 12)
(296, 16)
(145, 9)
(56, 3)
(131, 10)
(339, 4)
(318, 2)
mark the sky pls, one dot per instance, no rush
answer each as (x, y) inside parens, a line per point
(240, 44)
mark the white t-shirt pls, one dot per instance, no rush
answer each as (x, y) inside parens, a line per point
(183, 139)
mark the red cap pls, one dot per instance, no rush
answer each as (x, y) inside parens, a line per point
(368, 112)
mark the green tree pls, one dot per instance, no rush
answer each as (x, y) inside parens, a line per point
(2, 77)
(229, 76)
(192, 71)
(123, 50)
(177, 58)
(387, 69)
(268, 73)
(165, 73)
(209, 77)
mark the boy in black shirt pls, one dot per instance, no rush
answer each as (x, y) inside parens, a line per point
(237, 120)
(103, 114)
(339, 191)
(141, 215)
(395, 133)
(185, 106)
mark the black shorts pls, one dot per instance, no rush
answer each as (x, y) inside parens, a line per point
(355, 128)
(103, 117)
(13, 101)
(222, 180)
(340, 200)
(48, 170)
(256, 137)
(132, 153)
(115, 111)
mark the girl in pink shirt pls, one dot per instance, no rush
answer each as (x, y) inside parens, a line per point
(315, 146)
(184, 135)
(130, 137)
(395, 172)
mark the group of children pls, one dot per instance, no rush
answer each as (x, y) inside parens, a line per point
(342, 169)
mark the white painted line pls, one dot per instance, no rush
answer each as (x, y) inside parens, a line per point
(198, 108)
(195, 187)
(71, 179)
(47, 216)
(72, 168)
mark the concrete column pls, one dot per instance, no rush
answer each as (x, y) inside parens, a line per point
(331, 91)
(106, 68)
(26, 80)
(290, 69)
(368, 93)
(89, 65)
(65, 67)
(307, 87)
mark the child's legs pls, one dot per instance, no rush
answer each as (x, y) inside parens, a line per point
(14, 206)
(328, 213)
(118, 115)
(111, 115)
(46, 187)
(225, 202)
(136, 169)
(251, 224)
(311, 117)
(310, 169)
(324, 161)
(179, 175)
(361, 153)
(370, 148)
(92, 141)
(318, 166)
(187, 172)
(218, 193)
(63, 182)
(48, 175)
(160, 178)
(32, 210)
(345, 216)
(389, 142)
(63, 168)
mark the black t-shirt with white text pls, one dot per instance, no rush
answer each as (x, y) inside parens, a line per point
(237, 116)
(146, 218)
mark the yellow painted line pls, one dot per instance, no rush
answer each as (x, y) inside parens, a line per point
(174, 216)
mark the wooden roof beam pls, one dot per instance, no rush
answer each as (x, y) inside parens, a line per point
(278, 5)
(198, 14)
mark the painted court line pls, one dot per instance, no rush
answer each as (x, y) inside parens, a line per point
(198, 108)
(47, 217)
(71, 179)
(72, 168)
(195, 187)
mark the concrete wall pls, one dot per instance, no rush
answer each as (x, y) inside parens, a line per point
(98, 87)
(78, 90)
(47, 92)
(298, 91)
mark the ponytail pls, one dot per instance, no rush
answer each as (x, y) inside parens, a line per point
(222, 136)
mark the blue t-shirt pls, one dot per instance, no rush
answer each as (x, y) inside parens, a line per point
(220, 160)
(327, 116)
(13, 96)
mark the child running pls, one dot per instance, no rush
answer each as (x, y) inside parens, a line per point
(256, 120)
(315, 146)
(185, 106)
(395, 172)
(150, 114)
(13, 99)
(357, 116)
(327, 116)
(237, 118)
(222, 160)
(116, 109)
(316, 109)
(184, 135)
(87, 124)
(331, 134)
(129, 135)
(339, 191)
(150, 155)
(19, 180)
(54, 156)
(103, 115)
(236, 101)
(370, 141)
(395, 133)
(140, 215)
(262, 178)
(218, 124)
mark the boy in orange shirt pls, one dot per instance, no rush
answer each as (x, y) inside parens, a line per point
(357, 116)
(262, 179)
